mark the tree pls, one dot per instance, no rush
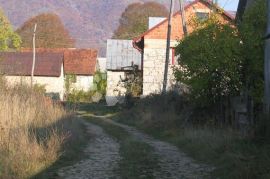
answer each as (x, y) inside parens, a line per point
(50, 33)
(210, 60)
(134, 20)
(8, 38)
(252, 32)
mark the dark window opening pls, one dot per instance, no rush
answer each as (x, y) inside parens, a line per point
(202, 16)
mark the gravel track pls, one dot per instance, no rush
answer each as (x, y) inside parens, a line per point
(102, 157)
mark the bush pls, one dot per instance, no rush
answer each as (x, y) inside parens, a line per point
(100, 83)
(94, 94)
(76, 96)
(252, 31)
(210, 62)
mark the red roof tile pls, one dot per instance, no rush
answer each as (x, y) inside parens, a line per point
(20, 63)
(76, 61)
(80, 62)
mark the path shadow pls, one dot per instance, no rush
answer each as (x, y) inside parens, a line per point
(74, 144)
(78, 137)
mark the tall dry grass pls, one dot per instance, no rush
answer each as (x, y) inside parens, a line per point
(30, 137)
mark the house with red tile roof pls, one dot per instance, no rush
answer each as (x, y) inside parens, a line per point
(49, 70)
(152, 43)
(81, 63)
(52, 68)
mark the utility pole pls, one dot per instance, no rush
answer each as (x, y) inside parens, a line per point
(183, 16)
(168, 48)
(240, 10)
(34, 55)
(267, 65)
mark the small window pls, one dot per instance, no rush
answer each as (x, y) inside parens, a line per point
(202, 16)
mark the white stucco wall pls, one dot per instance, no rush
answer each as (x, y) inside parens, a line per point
(83, 83)
(52, 84)
(114, 86)
(154, 65)
(101, 64)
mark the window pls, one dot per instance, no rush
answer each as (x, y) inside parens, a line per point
(202, 16)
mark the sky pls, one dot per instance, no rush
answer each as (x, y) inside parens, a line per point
(229, 5)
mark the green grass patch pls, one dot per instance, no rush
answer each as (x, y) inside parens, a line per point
(99, 109)
(138, 159)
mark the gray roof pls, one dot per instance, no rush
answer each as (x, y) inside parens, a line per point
(121, 53)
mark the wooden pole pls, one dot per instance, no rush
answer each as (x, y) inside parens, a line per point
(183, 16)
(240, 10)
(34, 55)
(165, 81)
(267, 65)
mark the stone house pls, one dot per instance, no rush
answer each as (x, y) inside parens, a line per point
(49, 70)
(120, 57)
(152, 44)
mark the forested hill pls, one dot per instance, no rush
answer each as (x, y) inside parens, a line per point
(90, 22)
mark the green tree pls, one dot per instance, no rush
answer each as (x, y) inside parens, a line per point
(210, 60)
(134, 20)
(252, 31)
(8, 38)
(50, 33)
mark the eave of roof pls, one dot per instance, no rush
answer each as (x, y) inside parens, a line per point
(136, 40)
(20, 64)
(76, 61)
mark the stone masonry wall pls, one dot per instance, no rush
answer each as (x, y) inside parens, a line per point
(154, 65)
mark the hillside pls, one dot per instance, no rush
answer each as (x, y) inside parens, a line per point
(90, 23)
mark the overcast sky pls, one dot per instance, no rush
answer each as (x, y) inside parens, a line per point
(229, 5)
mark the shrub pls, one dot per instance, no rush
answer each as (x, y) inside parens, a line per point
(76, 96)
(100, 83)
(210, 60)
(252, 31)
(94, 94)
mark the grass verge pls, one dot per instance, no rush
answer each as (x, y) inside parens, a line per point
(164, 117)
(34, 132)
(77, 141)
(137, 158)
